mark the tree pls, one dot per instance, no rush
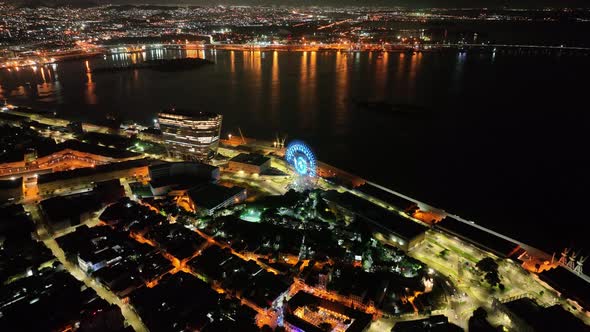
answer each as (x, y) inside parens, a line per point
(478, 322)
(490, 268)
(487, 264)
(492, 278)
(480, 313)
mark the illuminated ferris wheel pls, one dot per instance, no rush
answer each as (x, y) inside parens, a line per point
(302, 158)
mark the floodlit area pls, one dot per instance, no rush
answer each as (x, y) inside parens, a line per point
(322, 317)
(456, 260)
(251, 215)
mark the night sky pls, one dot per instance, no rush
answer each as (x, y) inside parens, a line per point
(405, 3)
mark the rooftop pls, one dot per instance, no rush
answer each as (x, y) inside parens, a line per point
(88, 171)
(246, 277)
(359, 319)
(250, 158)
(41, 297)
(387, 197)
(436, 323)
(211, 195)
(15, 219)
(54, 208)
(541, 319)
(488, 241)
(188, 114)
(383, 219)
(46, 149)
(569, 284)
(176, 240)
(95, 149)
(178, 300)
(177, 180)
(162, 169)
(11, 183)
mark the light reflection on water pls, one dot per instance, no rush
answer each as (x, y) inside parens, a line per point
(252, 81)
(275, 85)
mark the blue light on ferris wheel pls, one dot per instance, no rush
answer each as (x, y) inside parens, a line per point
(301, 157)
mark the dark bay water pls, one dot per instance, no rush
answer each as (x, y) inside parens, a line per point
(499, 139)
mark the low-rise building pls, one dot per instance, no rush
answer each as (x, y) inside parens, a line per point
(169, 177)
(91, 261)
(177, 241)
(53, 300)
(84, 178)
(568, 284)
(246, 278)
(178, 300)
(434, 323)
(249, 163)
(527, 316)
(65, 211)
(194, 169)
(479, 237)
(109, 191)
(68, 155)
(210, 197)
(397, 230)
(306, 312)
(11, 189)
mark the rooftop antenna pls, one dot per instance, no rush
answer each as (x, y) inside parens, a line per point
(242, 135)
(572, 261)
(579, 269)
(563, 259)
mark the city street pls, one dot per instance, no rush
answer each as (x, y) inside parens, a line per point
(131, 317)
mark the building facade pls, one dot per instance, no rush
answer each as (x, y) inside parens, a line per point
(190, 136)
